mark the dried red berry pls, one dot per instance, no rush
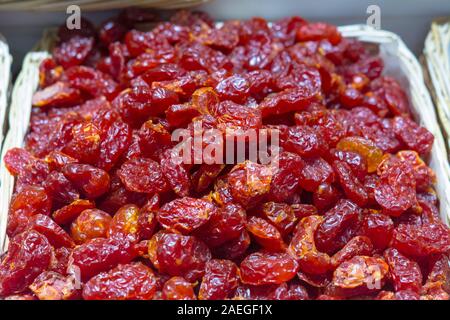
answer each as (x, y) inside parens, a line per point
(220, 280)
(29, 254)
(405, 273)
(186, 215)
(262, 268)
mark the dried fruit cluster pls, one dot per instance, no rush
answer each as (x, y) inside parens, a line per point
(350, 212)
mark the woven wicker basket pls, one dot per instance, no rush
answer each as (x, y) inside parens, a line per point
(436, 58)
(54, 5)
(5, 73)
(399, 63)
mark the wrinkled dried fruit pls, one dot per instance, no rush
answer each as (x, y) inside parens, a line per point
(55, 235)
(225, 225)
(125, 223)
(28, 255)
(91, 181)
(265, 234)
(176, 288)
(396, 189)
(142, 175)
(240, 160)
(29, 202)
(357, 246)
(405, 273)
(344, 214)
(366, 148)
(249, 183)
(50, 285)
(421, 241)
(186, 215)
(184, 256)
(262, 268)
(303, 247)
(70, 212)
(378, 228)
(99, 255)
(90, 224)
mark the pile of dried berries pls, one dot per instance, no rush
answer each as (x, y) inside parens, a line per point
(350, 212)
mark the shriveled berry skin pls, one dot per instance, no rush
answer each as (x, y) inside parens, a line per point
(231, 116)
(16, 160)
(415, 137)
(286, 177)
(366, 148)
(61, 261)
(303, 247)
(379, 228)
(353, 188)
(395, 191)
(184, 256)
(125, 223)
(326, 196)
(262, 268)
(305, 141)
(421, 241)
(318, 31)
(177, 288)
(336, 221)
(288, 100)
(227, 224)
(55, 235)
(73, 51)
(315, 172)
(186, 215)
(338, 202)
(51, 285)
(70, 212)
(357, 246)
(235, 88)
(235, 248)
(142, 175)
(405, 273)
(28, 255)
(146, 221)
(26, 204)
(99, 255)
(90, 224)
(265, 292)
(220, 280)
(406, 295)
(132, 281)
(91, 181)
(176, 174)
(424, 176)
(265, 234)
(359, 275)
(281, 215)
(249, 183)
(56, 95)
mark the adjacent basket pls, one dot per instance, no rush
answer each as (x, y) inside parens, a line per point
(5, 73)
(436, 56)
(399, 63)
(56, 5)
